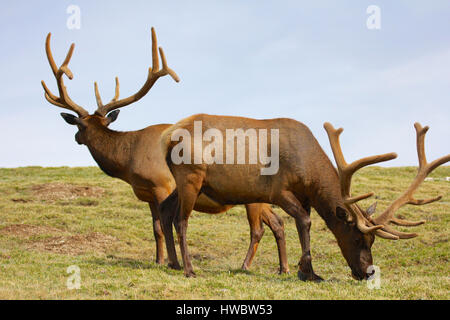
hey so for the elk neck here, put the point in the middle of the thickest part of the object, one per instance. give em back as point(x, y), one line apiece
point(111, 150)
point(327, 197)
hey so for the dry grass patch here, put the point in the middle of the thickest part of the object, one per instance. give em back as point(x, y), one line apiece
point(27, 231)
point(64, 191)
point(49, 239)
point(76, 244)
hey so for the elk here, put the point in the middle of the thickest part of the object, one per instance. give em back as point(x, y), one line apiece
point(136, 158)
point(306, 178)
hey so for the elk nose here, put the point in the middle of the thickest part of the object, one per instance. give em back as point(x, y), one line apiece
point(370, 274)
point(77, 138)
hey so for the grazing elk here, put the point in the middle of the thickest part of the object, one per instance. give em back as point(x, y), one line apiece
point(136, 158)
point(306, 178)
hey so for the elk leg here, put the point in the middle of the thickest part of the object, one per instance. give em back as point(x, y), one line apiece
point(256, 232)
point(275, 223)
point(169, 209)
point(289, 203)
point(188, 194)
point(158, 233)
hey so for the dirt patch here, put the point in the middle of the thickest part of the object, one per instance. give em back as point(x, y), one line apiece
point(60, 241)
point(21, 200)
point(26, 230)
point(76, 244)
point(64, 191)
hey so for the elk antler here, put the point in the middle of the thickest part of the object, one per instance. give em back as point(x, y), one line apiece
point(153, 75)
point(424, 170)
point(346, 172)
point(63, 100)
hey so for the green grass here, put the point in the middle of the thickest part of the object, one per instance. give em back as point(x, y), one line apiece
point(31, 267)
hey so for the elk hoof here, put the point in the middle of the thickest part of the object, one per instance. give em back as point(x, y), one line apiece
point(190, 274)
point(283, 271)
point(309, 277)
point(174, 266)
point(317, 278)
point(244, 267)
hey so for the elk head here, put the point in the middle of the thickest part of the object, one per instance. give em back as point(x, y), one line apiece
point(105, 114)
point(356, 234)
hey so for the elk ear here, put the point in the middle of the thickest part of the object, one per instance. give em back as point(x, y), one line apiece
point(341, 214)
point(112, 116)
point(371, 210)
point(71, 119)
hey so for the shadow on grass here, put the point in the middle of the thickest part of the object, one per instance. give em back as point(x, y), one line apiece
point(124, 262)
point(276, 277)
point(291, 277)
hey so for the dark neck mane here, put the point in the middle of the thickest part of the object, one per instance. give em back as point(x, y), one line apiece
point(111, 150)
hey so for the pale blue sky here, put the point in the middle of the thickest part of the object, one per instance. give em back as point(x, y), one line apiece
point(313, 61)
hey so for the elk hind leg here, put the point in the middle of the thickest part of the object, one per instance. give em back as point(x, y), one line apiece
point(276, 225)
point(256, 232)
point(169, 209)
point(188, 194)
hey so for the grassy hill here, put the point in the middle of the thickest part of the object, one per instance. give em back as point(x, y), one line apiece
point(52, 218)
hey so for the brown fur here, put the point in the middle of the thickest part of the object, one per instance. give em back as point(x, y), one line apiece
point(306, 178)
point(136, 158)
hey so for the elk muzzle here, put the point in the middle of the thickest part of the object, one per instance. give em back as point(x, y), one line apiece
point(78, 138)
point(360, 271)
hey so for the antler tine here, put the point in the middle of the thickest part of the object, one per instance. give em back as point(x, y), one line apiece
point(399, 234)
point(358, 198)
point(406, 223)
point(386, 235)
point(362, 222)
point(117, 91)
point(48, 51)
point(63, 100)
point(420, 135)
point(65, 66)
point(346, 172)
point(424, 170)
point(154, 73)
point(50, 97)
point(155, 59)
point(98, 97)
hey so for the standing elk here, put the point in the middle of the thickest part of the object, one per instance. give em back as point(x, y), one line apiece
point(306, 178)
point(136, 158)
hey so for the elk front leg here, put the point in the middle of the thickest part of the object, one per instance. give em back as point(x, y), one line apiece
point(158, 233)
point(276, 224)
point(289, 203)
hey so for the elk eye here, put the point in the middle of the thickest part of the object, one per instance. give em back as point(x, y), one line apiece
point(341, 213)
